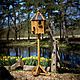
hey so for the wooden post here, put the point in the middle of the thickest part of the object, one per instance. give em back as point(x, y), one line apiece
point(38, 69)
point(38, 42)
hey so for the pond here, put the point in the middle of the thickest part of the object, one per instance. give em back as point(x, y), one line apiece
point(26, 51)
point(69, 59)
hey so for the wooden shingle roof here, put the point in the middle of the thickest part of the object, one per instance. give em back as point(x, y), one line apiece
point(38, 16)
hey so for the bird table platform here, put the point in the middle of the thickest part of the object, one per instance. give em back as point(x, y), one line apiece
point(38, 28)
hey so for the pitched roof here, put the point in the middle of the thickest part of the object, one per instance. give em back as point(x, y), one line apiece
point(37, 16)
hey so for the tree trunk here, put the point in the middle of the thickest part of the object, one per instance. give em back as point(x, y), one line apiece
point(15, 22)
point(60, 30)
point(16, 50)
point(15, 33)
point(19, 35)
point(43, 51)
point(28, 27)
point(29, 51)
point(64, 31)
point(8, 33)
point(8, 52)
point(53, 50)
point(28, 33)
point(53, 58)
point(72, 33)
point(8, 26)
point(19, 25)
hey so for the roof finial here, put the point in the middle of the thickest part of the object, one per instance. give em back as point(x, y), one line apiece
point(38, 10)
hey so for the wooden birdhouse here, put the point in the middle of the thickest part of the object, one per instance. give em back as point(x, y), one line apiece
point(38, 23)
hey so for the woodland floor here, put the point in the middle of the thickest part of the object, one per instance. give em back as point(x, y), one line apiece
point(27, 75)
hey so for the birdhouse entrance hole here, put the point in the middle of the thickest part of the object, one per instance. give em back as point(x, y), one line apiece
point(39, 22)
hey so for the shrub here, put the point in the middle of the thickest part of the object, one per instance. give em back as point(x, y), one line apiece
point(12, 61)
point(33, 61)
point(8, 61)
point(1, 62)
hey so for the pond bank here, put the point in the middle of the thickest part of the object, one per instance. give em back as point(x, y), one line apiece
point(29, 43)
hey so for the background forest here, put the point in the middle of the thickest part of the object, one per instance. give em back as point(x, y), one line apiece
point(15, 17)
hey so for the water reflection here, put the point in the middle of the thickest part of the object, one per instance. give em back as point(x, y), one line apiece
point(70, 60)
point(12, 52)
point(29, 51)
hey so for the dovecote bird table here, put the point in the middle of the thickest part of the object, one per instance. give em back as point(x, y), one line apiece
point(38, 28)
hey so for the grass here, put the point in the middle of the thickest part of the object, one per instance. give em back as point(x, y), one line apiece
point(22, 43)
point(27, 43)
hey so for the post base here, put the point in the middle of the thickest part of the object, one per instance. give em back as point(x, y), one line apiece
point(38, 70)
